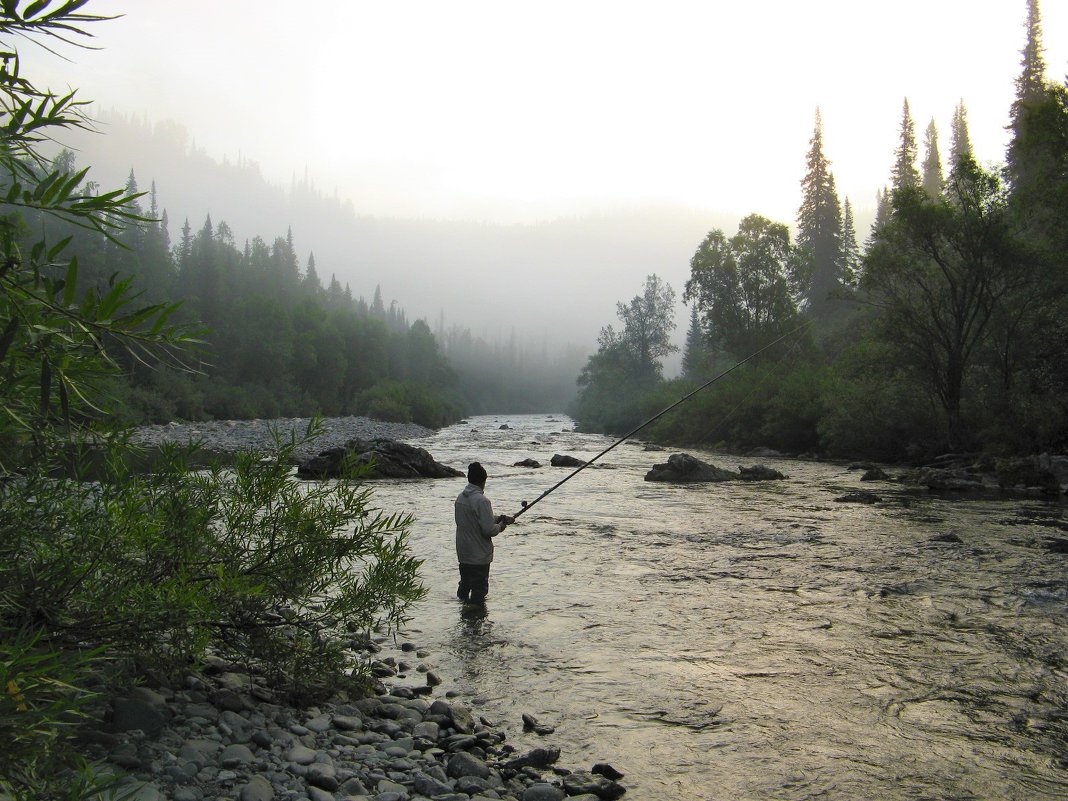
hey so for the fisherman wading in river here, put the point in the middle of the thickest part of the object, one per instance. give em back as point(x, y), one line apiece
point(475, 529)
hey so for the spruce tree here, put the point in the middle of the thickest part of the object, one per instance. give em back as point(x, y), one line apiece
point(1033, 153)
point(933, 180)
point(311, 277)
point(819, 228)
point(960, 144)
point(850, 249)
point(905, 175)
point(695, 353)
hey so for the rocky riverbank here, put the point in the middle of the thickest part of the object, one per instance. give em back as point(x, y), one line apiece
point(222, 736)
point(229, 436)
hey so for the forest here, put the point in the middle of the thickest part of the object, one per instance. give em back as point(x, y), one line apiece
point(943, 331)
point(279, 341)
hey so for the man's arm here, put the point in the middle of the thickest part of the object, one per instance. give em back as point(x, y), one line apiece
point(486, 522)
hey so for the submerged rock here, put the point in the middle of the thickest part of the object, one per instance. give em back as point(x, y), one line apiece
point(681, 468)
point(859, 497)
point(389, 459)
point(874, 474)
point(527, 463)
point(759, 472)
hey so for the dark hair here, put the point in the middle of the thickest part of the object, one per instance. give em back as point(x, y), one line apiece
point(476, 473)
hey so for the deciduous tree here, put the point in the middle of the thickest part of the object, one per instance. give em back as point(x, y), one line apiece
point(939, 271)
point(741, 285)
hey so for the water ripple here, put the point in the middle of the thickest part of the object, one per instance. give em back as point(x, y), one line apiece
point(755, 641)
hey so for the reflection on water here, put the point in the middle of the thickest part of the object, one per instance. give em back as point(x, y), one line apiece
point(745, 641)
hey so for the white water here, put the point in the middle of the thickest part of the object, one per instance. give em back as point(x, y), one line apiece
point(752, 640)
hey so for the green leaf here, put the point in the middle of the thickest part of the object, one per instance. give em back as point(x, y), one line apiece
point(70, 282)
point(36, 8)
point(56, 249)
point(46, 385)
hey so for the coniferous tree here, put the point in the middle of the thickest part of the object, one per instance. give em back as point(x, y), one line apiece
point(695, 353)
point(819, 229)
point(905, 175)
point(960, 145)
point(850, 249)
point(933, 179)
point(378, 308)
point(184, 251)
point(882, 212)
point(311, 277)
point(1025, 159)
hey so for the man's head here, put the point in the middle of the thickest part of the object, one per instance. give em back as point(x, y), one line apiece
point(476, 474)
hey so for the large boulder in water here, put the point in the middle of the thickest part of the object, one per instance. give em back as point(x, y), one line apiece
point(562, 460)
point(390, 459)
point(681, 468)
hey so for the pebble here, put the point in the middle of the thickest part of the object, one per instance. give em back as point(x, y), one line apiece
point(396, 745)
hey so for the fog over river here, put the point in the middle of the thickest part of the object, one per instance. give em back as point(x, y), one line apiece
point(752, 640)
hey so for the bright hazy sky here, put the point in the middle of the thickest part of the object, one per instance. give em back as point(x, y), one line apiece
point(511, 110)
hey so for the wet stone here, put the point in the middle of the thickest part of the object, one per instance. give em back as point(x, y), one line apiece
point(426, 730)
point(428, 785)
point(257, 789)
point(580, 782)
point(319, 724)
point(348, 722)
point(323, 776)
point(234, 755)
point(465, 764)
point(543, 792)
point(301, 754)
point(389, 786)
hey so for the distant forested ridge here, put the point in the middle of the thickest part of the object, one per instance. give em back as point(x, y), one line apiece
point(277, 340)
point(945, 330)
point(281, 340)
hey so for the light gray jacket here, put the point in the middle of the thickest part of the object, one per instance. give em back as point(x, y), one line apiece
point(475, 528)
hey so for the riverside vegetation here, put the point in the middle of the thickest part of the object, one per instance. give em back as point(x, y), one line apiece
point(104, 584)
point(945, 332)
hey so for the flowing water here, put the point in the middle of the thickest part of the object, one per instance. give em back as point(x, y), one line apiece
point(752, 640)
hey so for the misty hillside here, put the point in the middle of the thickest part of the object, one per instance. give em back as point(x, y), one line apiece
point(552, 283)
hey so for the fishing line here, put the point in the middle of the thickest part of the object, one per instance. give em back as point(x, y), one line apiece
point(656, 417)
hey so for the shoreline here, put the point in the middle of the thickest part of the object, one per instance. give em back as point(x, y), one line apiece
point(220, 732)
point(960, 475)
point(229, 436)
point(223, 735)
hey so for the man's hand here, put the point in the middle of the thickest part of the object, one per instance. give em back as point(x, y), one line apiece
point(504, 520)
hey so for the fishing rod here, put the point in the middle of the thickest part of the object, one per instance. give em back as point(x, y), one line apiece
point(654, 418)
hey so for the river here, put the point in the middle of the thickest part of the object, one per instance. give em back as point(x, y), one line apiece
point(752, 640)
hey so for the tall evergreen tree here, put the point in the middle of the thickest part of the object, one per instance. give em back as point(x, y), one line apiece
point(819, 228)
point(933, 179)
point(311, 277)
point(960, 144)
point(1024, 153)
point(695, 353)
point(378, 308)
point(184, 250)
point(905, 175)
point(850, 249)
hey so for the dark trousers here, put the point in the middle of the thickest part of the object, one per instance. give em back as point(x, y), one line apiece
point(474, 583)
